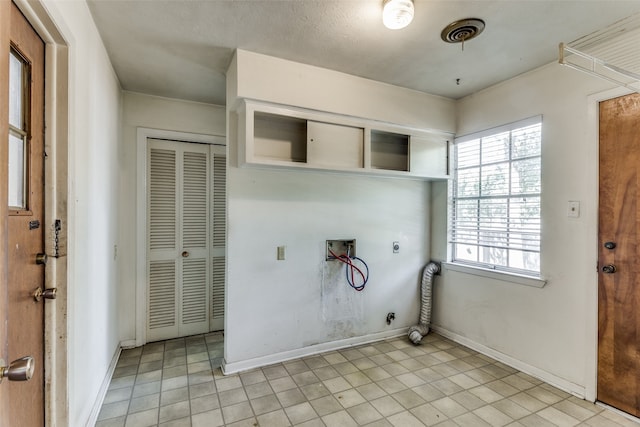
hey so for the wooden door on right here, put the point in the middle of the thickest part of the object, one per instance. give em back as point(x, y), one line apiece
point(619, 254)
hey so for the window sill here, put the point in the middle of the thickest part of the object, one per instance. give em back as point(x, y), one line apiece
point(495, 274)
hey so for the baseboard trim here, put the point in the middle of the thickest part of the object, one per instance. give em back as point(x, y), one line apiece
point(549, 378)
point(95, 411)
point(245, 365)
point(128, 344)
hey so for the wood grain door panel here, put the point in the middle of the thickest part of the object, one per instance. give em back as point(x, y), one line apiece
point(619, 220)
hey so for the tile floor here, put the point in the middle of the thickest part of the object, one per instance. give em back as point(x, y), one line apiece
point(388, 383)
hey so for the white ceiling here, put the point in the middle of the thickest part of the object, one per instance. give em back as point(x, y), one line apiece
point(181, 48)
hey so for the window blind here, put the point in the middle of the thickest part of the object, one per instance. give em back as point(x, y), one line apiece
point(496, 198)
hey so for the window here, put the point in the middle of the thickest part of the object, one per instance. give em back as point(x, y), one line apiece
point(496, 198)
point(18, 131)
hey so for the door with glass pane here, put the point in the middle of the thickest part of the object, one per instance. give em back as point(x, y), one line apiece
point(184, 267)
point(25, 239)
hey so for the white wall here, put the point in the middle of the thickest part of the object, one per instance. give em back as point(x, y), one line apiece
point(156, 113)
point(279, 309)
point(551, 330)
point(92, 222)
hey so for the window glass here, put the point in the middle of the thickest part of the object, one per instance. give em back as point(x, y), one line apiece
point(18, 103)
point(496, 198)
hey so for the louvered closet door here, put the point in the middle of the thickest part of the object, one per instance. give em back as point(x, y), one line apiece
point(219, 236)
point(179, 248)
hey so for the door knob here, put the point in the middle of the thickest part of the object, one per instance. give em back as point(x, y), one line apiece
point(185, 254)
point(49, 293)
point(610, 245)
point(609, 269)
point(18, 370)
point(41, 259)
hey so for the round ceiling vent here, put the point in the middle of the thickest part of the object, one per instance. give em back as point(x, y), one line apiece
point(463, 30)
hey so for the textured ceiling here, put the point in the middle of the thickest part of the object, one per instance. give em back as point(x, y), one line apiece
point(181, 49)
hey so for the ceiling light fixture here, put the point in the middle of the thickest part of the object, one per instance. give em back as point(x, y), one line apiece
point(397, 14)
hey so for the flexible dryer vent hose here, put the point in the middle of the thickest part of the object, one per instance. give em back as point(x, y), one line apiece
point(420, 330)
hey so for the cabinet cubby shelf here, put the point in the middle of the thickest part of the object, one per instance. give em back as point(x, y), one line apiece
point(271, 135)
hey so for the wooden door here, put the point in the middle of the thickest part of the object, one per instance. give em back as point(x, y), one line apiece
point(619, 255)
point(5, 19)
point(24, 142)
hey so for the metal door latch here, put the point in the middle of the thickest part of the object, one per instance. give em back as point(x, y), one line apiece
point(49, 293)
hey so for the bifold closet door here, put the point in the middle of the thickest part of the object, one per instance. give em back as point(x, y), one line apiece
point(218, 267)
point(179, 261)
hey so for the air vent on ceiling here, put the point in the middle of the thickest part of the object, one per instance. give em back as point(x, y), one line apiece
point(463, 30)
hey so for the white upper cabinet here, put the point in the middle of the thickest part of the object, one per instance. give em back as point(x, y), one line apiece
point(275, 135)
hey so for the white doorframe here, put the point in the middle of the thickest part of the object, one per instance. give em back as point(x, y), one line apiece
point(143, 134)
point(593, 133)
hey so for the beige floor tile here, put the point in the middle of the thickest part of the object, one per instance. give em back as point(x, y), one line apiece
point(274, 419)
point(237, 412)
point(144, 403)
point(404, 419)
point(142, 419)
point(528, 402)
point(428, 414)
point(339, 419)
point(300, 413)
point(316, 422)
point(512, 409)
point(174, 411)
point(364, 413)
point(173, 396)
point(387, 406)
point(315, 391)
point(258, 390)
point(345, 368)
point(349, 398)
point(252, 377)
point(231, 397)
point(326, 405)
point(371, 391)
point(449, 407)
point(305, 378)
point(204, 403)
point(572, 409)
point(291, 397)
point(207, 419)
point(470, 420)
point(557, 417)
point(468, 400)
point(336, 385)
point(408, 399)
point(263, 405)
point(493, 416)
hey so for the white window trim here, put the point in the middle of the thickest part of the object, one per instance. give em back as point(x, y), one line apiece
point(532, 279)
point(505, 276)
